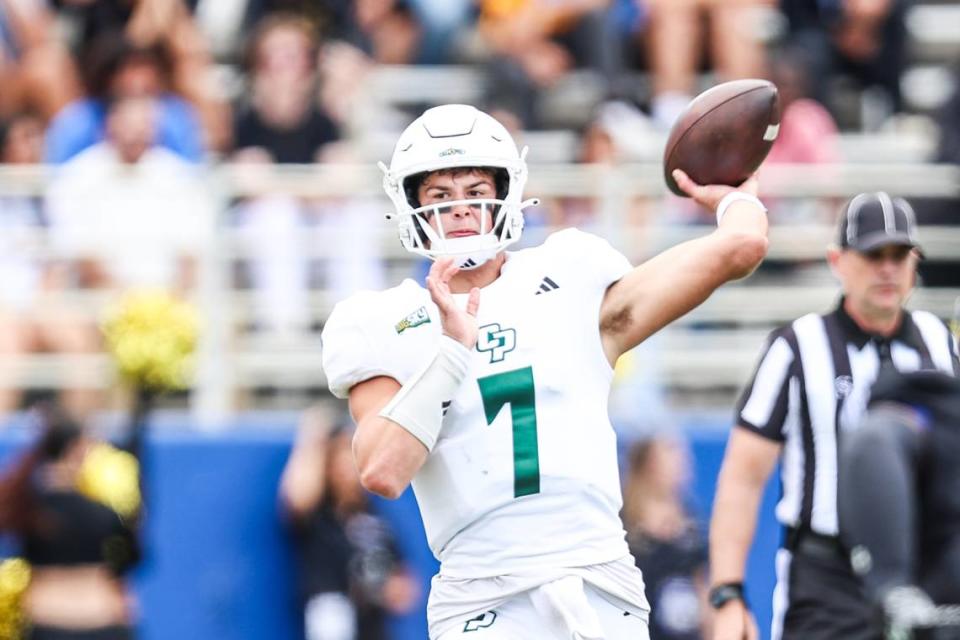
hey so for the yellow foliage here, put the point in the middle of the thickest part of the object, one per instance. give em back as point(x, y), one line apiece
point(14, 578)
point(152, 336)
point(111, 477)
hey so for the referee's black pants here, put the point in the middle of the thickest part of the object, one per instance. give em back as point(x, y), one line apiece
point(825, 600)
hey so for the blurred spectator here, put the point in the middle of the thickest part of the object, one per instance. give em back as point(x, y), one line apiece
point(808, 135)
point(283, 121)
point(344, 70)
point(21, 217)
point(387, 31)
point(36, 70)
point(350, 229)
point(441, 21)
point(669, 547)
point(166, 25)
point(638, 399)
point(943, 211)
point(949, 121)
point(73, 504)
point(610, 138)
point(279, 234)
point(676, 33)
point(534, 43)
point(863, 40)
point(351, 573)
point(596, 147)
point(275, 263)
point(131, 213)
point(407, 31)
point(116, 69)
point(33, 316)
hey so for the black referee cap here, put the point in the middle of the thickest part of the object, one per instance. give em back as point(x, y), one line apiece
point(873, 220)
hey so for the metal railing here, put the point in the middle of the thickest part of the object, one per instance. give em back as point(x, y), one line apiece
point(713, 347)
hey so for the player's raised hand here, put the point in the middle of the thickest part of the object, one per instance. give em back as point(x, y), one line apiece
point(710, 195)
point(459, 324)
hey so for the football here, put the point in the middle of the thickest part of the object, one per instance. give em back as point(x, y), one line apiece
point(724, 134)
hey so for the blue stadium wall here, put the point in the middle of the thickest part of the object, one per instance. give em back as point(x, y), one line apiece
point(219, 561)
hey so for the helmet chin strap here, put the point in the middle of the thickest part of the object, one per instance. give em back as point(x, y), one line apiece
point(470, 252)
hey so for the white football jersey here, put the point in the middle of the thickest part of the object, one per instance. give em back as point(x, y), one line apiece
point(524, 473)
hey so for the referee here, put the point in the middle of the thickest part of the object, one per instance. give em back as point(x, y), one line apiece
point(810, 387)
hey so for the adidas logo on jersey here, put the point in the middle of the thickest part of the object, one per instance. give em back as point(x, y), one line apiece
point(547, 285)
point(469, 263)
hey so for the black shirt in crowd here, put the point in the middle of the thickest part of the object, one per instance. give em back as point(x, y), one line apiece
point(352, 555)
point(671, 569)
point(297, 145)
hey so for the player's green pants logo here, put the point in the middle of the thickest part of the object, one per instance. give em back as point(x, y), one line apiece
point(482, 621)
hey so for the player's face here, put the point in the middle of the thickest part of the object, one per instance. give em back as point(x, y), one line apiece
point(878, 281)
point(462, 220)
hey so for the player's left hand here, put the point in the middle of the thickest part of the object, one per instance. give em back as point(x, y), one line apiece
point(459, 324)
point(710, 195)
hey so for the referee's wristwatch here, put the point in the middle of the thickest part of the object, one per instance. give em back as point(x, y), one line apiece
point(721, 594)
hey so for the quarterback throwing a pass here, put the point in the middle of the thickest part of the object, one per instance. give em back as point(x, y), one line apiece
point(488, 388)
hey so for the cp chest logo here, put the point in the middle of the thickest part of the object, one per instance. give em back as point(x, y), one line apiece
point(499, 342)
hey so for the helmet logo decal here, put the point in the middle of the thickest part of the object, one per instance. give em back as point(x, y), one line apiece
point(499, 342)
point(452, 151)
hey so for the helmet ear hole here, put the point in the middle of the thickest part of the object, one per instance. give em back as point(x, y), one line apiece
point(501, 180)
point(411, 187)
point(421, 234)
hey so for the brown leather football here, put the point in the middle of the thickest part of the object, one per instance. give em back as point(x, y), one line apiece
point(724, 134)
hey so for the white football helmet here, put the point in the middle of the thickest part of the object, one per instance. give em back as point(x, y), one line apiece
point(446, 137)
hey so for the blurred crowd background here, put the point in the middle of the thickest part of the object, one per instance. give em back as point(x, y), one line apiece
point(223, 152)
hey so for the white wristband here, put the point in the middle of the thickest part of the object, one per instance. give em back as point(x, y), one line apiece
point(418, 405)
point(735, 196)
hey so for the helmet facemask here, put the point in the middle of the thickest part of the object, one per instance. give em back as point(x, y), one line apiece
point(426, 230)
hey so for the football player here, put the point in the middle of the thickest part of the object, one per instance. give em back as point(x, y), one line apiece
point(487, 388)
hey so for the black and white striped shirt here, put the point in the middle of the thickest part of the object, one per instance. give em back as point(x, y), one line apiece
point(813, 383)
